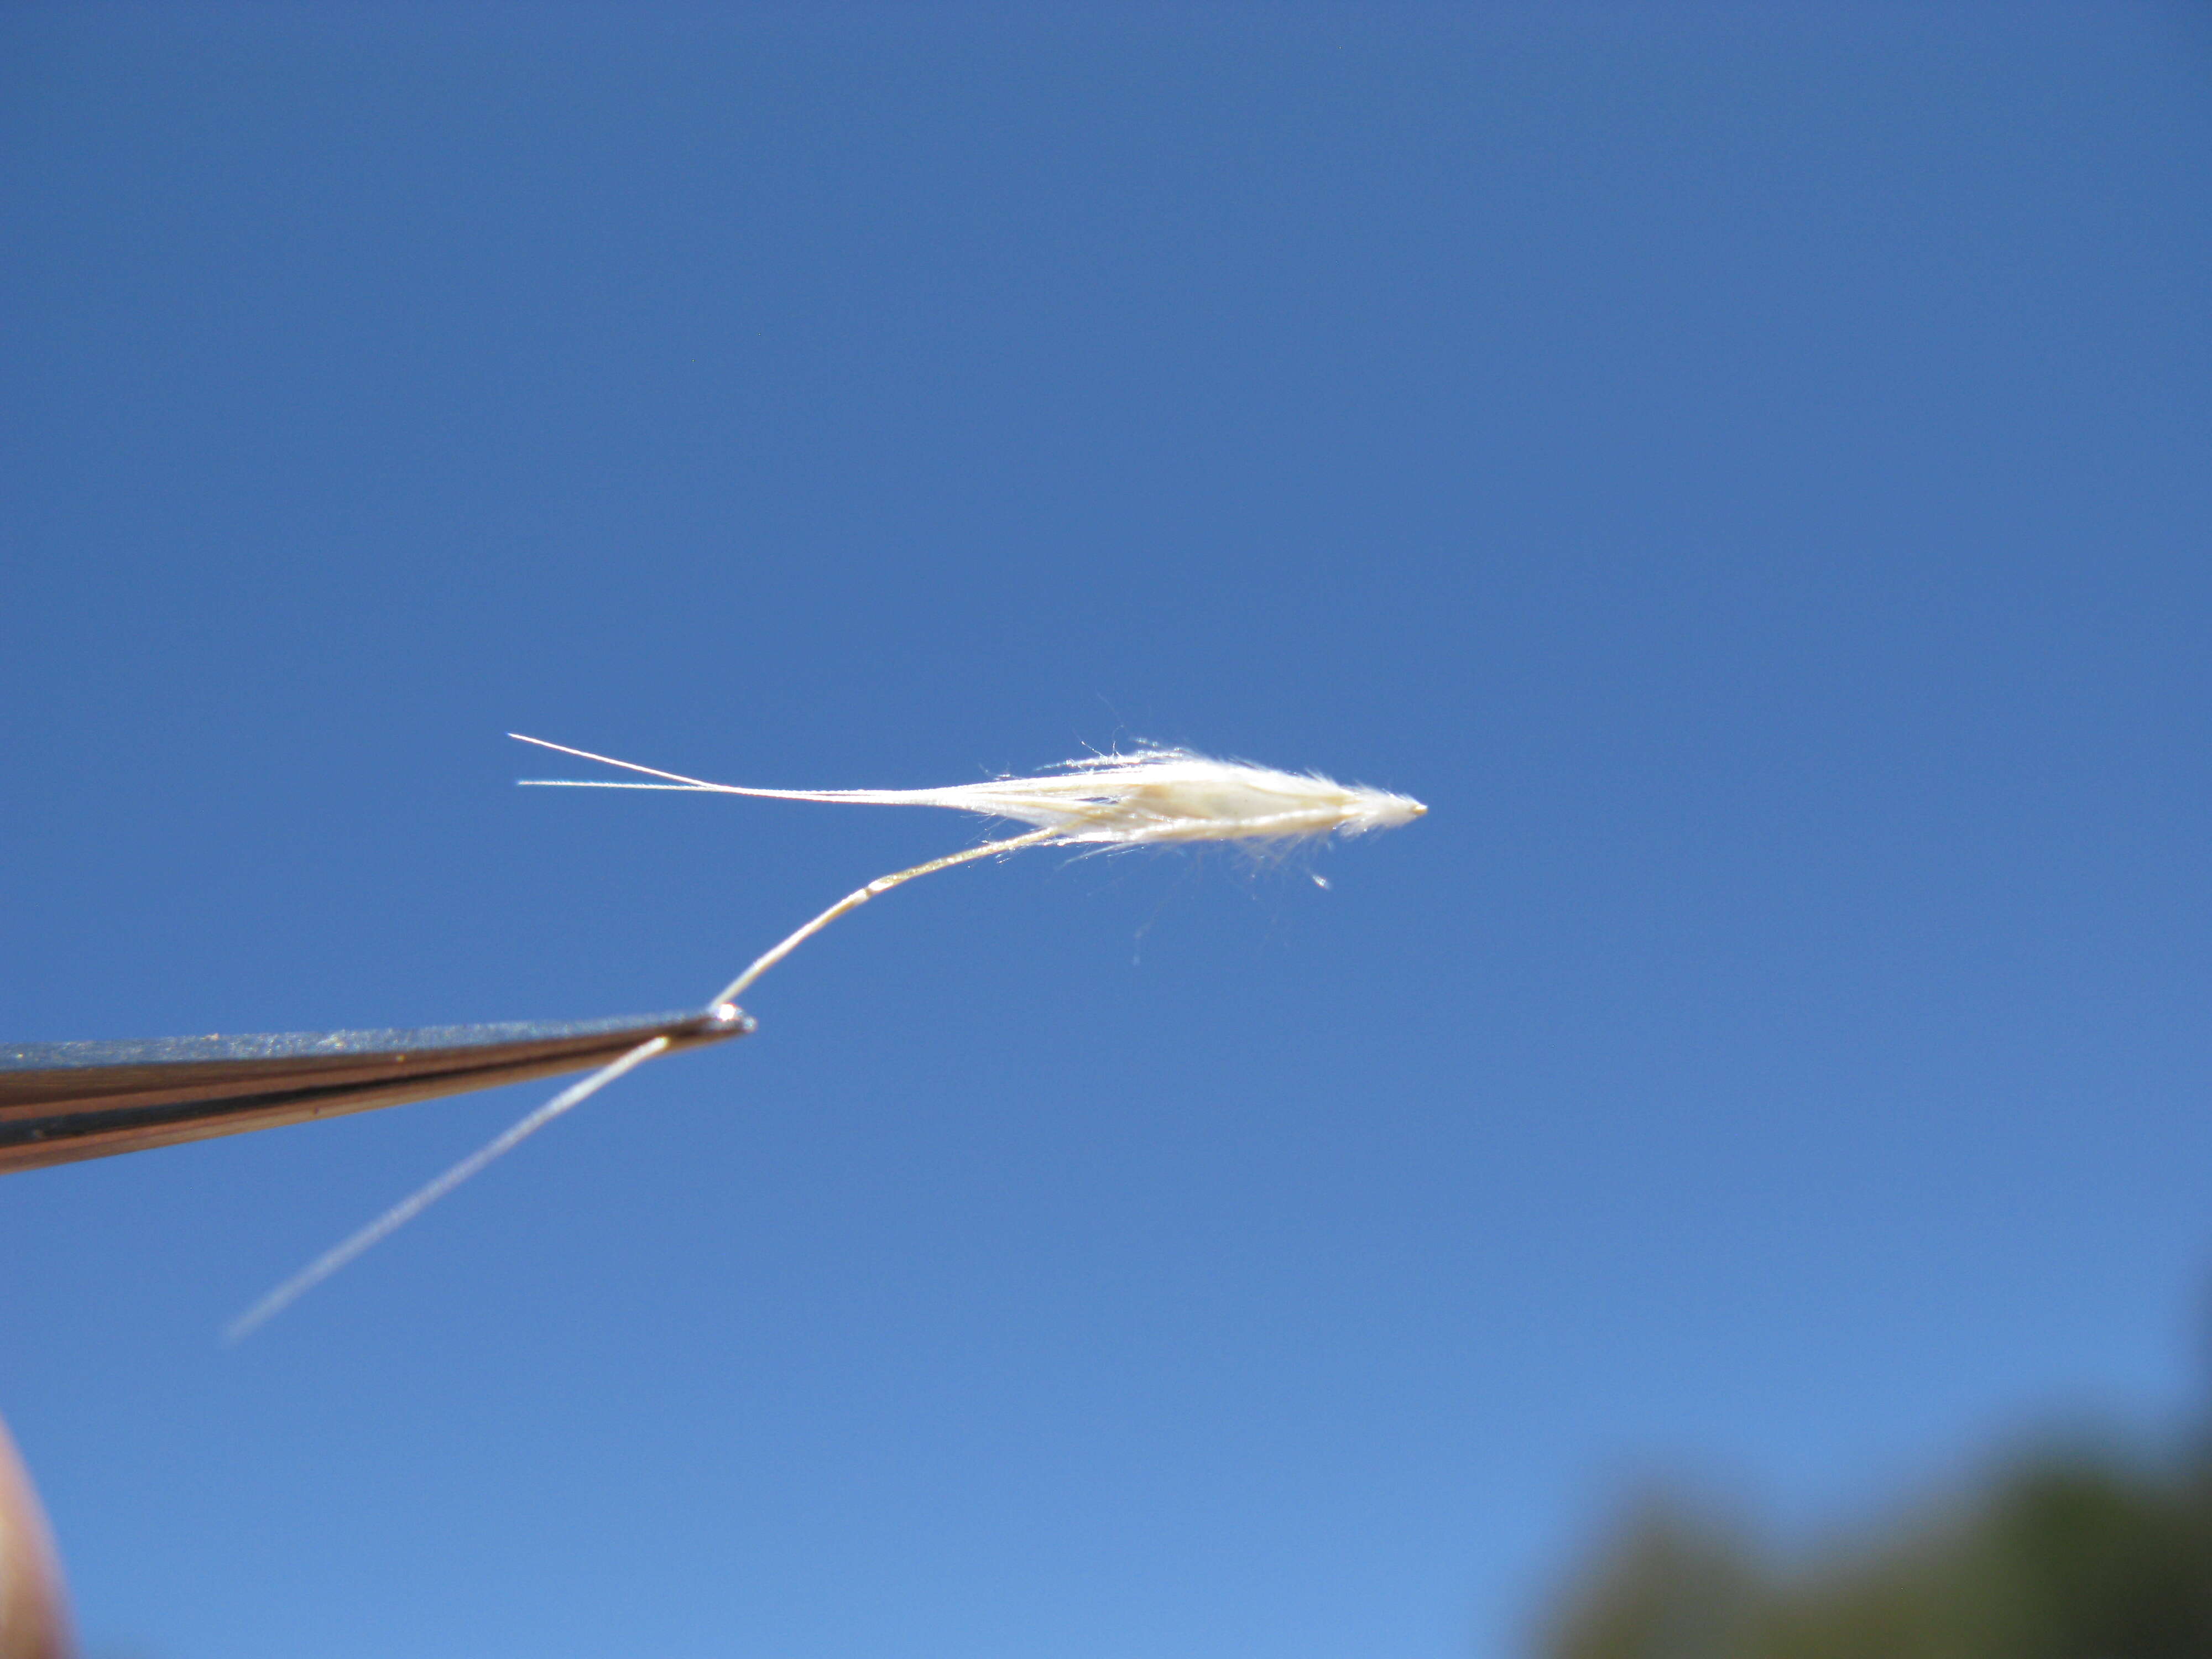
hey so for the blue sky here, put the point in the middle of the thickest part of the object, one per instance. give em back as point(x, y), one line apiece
point(1746, 468)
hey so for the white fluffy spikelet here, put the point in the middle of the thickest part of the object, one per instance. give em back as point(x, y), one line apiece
point(1155, 795)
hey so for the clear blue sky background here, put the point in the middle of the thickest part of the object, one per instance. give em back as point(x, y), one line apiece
point(1747, 470)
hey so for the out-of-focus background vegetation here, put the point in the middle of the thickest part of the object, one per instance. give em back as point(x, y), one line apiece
point(2079, 1544)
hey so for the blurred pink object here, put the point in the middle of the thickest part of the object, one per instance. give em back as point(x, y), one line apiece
point(33, 1608)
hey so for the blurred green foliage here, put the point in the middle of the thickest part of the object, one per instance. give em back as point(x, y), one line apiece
point(2058, 1555)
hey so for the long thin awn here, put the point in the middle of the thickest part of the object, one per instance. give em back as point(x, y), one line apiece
point(1149, 798)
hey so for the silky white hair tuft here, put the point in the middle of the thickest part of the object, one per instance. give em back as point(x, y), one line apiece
point(1150, 797)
